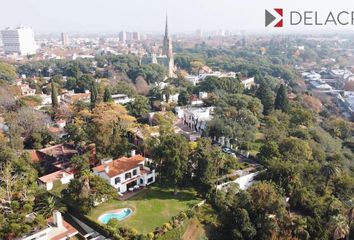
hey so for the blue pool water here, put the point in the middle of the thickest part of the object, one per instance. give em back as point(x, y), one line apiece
point(121, 215)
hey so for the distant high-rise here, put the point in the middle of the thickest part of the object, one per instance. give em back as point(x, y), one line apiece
point(19, 41)
point(64, 39)
point(167, 50)
point(136, 36)
point(122, 36)
point(199, 33)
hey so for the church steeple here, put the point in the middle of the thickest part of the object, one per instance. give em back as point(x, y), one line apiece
point(166, 27)
point(167, 50)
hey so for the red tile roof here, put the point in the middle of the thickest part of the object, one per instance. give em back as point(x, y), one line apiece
point(55, 176)
point(70, 230)
point(120, 165)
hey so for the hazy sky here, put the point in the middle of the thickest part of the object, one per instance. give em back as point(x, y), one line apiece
point(108, 16)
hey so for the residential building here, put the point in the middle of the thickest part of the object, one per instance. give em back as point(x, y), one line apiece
point(195, 118)
point(126, 173)
point(27, 91)
point(248, 82)
point(64, 39)
point(121, 98)
point(136, 36)
point(60, 176)
point(19, 41)
point(122, 36)
point(71, 97)
point(56, 229)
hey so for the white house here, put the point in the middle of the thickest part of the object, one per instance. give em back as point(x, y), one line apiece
point(195, 118)
point(27, 91)
point(62, 176)
point(126, 173)
point(56, 229)
point(248, 82)
point(121, 99)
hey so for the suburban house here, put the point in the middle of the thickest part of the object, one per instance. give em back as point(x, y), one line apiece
point(248, 82)
point(126, 173)
point(195, 118)
point(57, 229)
point(71, 97)
point(121, 99)
point(27, 91)
point(62, 176)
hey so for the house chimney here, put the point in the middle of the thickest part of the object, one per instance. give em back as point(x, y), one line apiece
point(106, 168)
point(57, 219)
point(132, 153)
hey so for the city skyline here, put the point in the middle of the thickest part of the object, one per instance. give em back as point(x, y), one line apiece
point(184, 16)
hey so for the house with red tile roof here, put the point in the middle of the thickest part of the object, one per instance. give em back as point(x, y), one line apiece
point(62, 176)
point(126, 173)
point(56, 229)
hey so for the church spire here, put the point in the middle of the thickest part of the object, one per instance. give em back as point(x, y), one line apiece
point(166, 27)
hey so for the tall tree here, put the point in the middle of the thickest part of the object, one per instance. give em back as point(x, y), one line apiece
point(139, 107)
point(281, 100)
point(265, 94)
point(55, 103)
point(107, 96)
point(94, 94)
point(173, 152)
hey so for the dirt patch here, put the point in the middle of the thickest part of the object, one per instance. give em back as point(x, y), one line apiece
point(194, 231)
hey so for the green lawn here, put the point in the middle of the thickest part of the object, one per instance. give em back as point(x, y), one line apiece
point(152, 208)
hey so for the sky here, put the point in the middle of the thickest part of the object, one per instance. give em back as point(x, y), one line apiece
point(110, 16)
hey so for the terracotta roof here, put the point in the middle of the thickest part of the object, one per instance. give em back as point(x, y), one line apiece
point(70, 230)
point(35, 156)
point(60, 150)
point(120, 165)
point(55, 130)
point(55, 176)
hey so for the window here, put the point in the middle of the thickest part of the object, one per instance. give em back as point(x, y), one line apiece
point(128, 175)
point(150, 180)
point(141, 181)
point(135, 172)
point(117, 180)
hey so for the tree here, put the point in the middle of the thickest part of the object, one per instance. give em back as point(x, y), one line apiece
point(46, 204)
point(208, 162)
point(265, 94)
point(183, 98)
point(340, 227)
point(93, 94)
point(139, 107)
point(7, 72)
point(17, 190)
point(84, 191)
point(55, 103)
point(329, 171)
point(110, 123)
point(171, 156)
point(142, 87)
point(107, 96)
point(268, 151)
point(281, 100)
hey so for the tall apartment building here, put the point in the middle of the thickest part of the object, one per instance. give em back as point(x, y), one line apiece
point(19, 41)
point(122, 36)
point(64, 39)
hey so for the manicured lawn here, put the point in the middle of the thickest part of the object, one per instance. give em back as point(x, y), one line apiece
point(152, 208)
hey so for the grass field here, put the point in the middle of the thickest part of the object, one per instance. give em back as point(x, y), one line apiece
point(152, 208)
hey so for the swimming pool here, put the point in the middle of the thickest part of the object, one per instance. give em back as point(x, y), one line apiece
point(119, 215)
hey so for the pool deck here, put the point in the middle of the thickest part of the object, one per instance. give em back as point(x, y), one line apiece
point(128, 195)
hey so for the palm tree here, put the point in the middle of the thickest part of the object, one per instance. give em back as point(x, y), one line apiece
point(350, 216)
point(329, 171)
point(340, 227)
point(47, 205)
